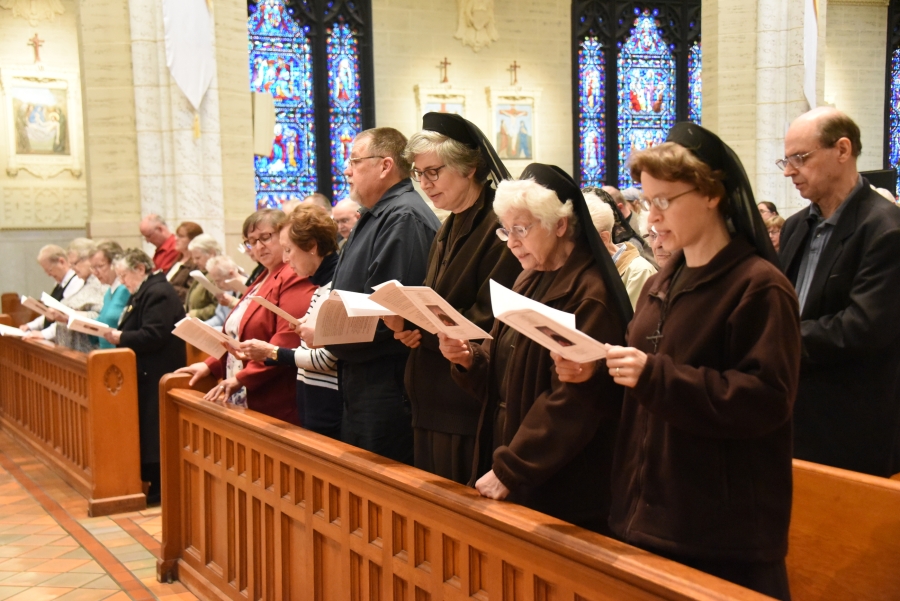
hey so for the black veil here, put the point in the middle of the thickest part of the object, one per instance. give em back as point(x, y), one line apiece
point(464, 131)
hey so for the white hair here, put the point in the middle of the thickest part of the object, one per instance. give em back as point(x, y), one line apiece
point(52, 252)
point(601, 213)
point(205, 243)
point(221, 266)
point(541, 202)
point(82, 248)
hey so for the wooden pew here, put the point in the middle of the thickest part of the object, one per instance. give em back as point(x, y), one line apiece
point(256, 508)
point(845, 535)
point(12, 306)
point(79, 414)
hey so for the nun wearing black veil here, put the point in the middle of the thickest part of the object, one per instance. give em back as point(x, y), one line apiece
point(457, 169)
point(545, 442)
point(702, 469)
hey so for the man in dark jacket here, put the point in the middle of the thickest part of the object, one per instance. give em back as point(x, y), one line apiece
point(390, 242)
point(841, 255)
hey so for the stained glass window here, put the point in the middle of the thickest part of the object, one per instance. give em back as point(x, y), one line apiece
point(343, 101)
point(646, 90)
point(695, 62)
point(591, 112)
point(281, 64)
point(894, 139)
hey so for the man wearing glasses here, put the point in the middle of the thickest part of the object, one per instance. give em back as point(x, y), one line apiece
point(390, 241)
point(841, 253)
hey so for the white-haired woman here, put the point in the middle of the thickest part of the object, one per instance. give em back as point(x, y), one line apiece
point(544, 442)
point(87, 301)
point(146, 328)
point(220, 270)
point(200, 302)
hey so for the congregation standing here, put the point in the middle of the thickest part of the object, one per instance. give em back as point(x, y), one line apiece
point(736, 339)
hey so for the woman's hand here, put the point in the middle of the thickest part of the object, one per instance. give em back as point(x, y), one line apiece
point(489, 486)
point(198, 371)
point(411, 338)
point(113, 337)
point(455, 351)
point(307, 331)
point(572, 372)
point(225, 299)
point(57, 316)
point(223, 391)
point(256, 350)
point(625, 364)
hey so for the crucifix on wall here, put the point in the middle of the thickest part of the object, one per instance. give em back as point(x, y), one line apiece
point(36, 44)
point(514, 73)
point(443, 67)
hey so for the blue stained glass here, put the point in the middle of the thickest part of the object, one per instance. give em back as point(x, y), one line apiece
point(281, 64)
point(895, 113)
point(343, 101)
point(591, 112)
point(646, 90)
point(695, 98)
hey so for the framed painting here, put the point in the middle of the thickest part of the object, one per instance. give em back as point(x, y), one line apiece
point(440, 100)
point(514, 122)
point(43, 122)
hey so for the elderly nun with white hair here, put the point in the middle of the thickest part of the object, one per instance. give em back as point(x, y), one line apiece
point(545, 442)
point(200, 302)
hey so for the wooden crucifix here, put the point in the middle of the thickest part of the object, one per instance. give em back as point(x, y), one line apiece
point(36, 43)
point(514, 73)
point(443, 66)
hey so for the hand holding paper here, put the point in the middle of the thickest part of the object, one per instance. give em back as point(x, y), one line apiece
point(10, 331)
point(204, 281)
point(427, 309)
point(209, 340)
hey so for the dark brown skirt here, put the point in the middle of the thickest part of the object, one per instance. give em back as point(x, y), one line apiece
point(447, 455)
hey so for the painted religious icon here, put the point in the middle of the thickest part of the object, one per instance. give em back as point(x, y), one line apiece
point(515, 131)
point(455, 108)
point(40, 117)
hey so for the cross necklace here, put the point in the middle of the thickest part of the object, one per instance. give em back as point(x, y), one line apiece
point(658, 335)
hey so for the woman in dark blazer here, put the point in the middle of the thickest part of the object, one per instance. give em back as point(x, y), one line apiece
point(146, 328)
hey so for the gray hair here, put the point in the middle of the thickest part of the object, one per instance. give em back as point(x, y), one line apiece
point(220, 266)
point(387, 142)
point(453, 154)
point(52, 252)
point(205, 243)
point(111, 250)
point(528, 195)
point(132, 258)
point(82, 248)
point(601, 213)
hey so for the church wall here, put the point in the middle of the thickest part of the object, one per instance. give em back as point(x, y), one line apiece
point(37, 210)
point(855, 70)
point(413, 36)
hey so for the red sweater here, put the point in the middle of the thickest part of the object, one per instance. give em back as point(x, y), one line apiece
point(166, 255)
point(271, 389)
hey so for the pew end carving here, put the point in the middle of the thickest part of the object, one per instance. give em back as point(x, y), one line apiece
point(78, 413)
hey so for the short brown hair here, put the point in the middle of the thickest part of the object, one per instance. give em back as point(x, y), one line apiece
point(388, 142)
point(834, 127)
point(311, 224)
point(673, 162)
point(775, 221)
point(191, 230)
point(274, 217)
point(111, 250)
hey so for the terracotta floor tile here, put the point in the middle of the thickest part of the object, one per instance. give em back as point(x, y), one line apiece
point(91, 567)
point(77, 553)
point(39, 539)
point(140, 564)
point(9, 551)
point(20, 564)
point(28, 578)
point(72, 580)
point(46, 552)
point(103, 582)
point(40, 593)
point(120, 596)
point(121, 541)
point(8, 591)
point(5, 575)
point(59, 565)
point(87, 594)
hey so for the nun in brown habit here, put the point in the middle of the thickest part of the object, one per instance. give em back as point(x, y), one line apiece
point(458, 169)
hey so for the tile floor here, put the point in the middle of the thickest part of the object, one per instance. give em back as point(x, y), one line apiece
point(51, 549)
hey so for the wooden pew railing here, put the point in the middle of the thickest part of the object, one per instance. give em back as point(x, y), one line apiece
point(258, 509)
point(11, 305)
point(79, 413)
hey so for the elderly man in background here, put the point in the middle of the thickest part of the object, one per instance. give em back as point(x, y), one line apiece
point(841, 255)
point(345, 215)
point(54, 260)
point(390, 242)
point(319, 199)
point(156, 232)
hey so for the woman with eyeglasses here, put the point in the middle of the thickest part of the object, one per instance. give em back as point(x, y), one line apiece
point(269, 389)
point(546, 441)
point(87, 301)
point(702, 471)
point(117, 296)
point(458, 169)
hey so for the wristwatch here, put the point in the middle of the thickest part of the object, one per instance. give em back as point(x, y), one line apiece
point(274, 354)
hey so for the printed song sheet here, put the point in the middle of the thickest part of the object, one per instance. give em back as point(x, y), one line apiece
point(6, 330)
point(207, 339)
point(204, 281)
point(334, 324)
point(236, 285)
point(35, 305)
point(427, 309)
point(52, 303)
point(276, 310)
point(551, 328)
point(92, 327)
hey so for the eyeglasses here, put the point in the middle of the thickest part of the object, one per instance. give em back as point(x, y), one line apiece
point(353, 161)
point(795, 160)
point(431, 174)
point(519, 231)
point(661, 203)
point(264, 238)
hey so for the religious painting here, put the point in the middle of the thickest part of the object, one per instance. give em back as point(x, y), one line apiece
point(439, 100)
point(514, 125)
point(44, 121)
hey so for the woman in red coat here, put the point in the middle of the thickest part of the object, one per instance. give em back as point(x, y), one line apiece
point(269, 389)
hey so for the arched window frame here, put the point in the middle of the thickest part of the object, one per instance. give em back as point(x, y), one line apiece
point(611, 21)
point(892, 92)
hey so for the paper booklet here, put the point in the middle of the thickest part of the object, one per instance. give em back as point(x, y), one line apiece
point(52, 303)
point(276, 310)
point(427, 309)
point(346, 317)
point(206, 338)
point(236, 285)
point(6, 330)
point(85, 325)
point(204, 281)
point(35, 305)
point(551, 328)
